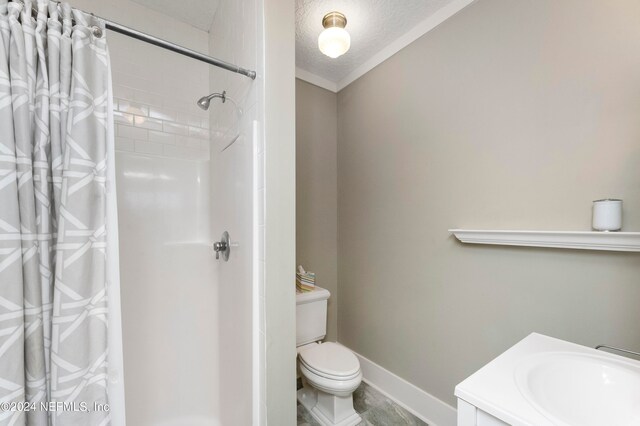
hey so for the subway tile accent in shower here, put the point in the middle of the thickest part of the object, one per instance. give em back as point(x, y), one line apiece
point(152, 130)
point(156, 115)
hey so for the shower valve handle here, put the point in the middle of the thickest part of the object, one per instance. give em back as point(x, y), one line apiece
point(223, 246)
point(218, 247)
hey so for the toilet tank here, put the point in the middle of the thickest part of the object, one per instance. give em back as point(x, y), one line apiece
point(311, 315)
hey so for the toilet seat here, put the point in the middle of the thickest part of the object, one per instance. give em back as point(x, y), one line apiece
point(329, 376)
point(331, 368)
point(331, 361)
point(341, 388)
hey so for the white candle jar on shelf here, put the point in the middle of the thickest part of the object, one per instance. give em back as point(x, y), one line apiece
point(607, 215)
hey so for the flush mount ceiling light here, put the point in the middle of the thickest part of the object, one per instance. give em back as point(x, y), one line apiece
point(334, 40)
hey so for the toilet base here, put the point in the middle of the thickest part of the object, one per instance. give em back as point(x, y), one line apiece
point(327, 409)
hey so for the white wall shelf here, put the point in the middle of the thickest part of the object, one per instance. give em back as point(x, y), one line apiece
point(610, 241)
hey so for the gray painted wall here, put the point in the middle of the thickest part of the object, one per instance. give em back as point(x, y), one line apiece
point(510, 115)
point(317, 191)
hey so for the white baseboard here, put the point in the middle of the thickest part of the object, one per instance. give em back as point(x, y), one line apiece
point(423, 405)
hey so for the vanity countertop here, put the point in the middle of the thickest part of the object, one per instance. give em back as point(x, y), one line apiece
point(495, 387)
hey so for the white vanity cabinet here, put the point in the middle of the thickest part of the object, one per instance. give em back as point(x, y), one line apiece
point(470, 415)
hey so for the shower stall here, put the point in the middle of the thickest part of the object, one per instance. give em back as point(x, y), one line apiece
point(144, 177)
point(190, 157)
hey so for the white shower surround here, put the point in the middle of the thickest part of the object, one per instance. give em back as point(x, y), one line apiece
point(167, 269)
point(248, 33)
point(237, 183)
point(198, 13)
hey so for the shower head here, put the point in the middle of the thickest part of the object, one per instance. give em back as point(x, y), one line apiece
point(205, 101)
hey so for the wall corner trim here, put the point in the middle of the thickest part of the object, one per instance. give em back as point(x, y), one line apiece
point(404, 40)
point(423, 405)
point(316, 80)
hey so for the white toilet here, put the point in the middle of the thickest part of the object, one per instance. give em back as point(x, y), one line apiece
point(330, 372)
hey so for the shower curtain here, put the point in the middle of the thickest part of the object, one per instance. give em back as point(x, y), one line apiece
point(60, 337)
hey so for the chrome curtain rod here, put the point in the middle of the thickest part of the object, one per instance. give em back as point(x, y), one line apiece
point(139, 35)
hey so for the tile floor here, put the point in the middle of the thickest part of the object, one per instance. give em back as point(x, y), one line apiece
point(374, 408)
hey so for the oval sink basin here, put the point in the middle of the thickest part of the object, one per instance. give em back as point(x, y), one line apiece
point(572, 389)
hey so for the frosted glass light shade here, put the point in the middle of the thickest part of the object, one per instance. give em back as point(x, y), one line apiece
point(334, 41)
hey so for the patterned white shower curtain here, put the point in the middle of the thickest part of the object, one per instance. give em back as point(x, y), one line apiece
point(59, 285)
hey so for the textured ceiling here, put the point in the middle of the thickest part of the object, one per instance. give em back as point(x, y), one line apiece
point(372, 24)
point(198, 13)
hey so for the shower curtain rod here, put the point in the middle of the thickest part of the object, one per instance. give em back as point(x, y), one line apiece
point(138, 35)
point(147, 38)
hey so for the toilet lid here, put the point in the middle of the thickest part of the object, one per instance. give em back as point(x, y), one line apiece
point(330, 359)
